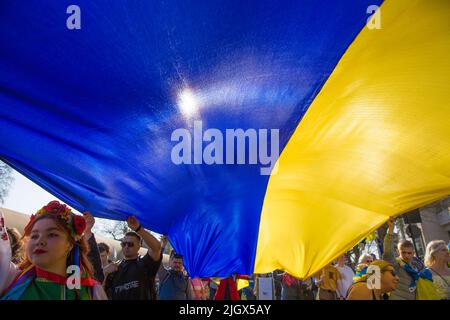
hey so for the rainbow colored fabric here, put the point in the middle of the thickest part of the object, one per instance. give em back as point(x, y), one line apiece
point(362, 113)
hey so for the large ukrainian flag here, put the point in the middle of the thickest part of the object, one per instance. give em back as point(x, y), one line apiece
point(363, 116)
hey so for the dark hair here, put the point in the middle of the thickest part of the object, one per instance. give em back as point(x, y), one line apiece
point(103, 247)
point(175, 255)
point(133, 234)
point(16, 245)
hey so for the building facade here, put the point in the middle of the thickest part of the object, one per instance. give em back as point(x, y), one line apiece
point(431, 222)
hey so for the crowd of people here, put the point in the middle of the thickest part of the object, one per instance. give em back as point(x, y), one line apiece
point(402, 275)
point(56, 238)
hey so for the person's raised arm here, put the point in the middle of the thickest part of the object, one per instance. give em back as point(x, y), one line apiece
point(388, 249)
point(93, 254)
point(162, 272)
point(149, 239)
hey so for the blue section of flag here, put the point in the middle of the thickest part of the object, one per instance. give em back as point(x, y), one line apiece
point(88, 114)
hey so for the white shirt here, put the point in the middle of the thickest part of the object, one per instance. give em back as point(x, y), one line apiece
point(345, 282)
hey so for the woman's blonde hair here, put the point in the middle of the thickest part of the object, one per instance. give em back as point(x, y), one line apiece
point(432, 247)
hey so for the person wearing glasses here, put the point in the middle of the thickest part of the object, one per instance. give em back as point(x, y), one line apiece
point(133, 278)
point(376, 285)
point(364, 261)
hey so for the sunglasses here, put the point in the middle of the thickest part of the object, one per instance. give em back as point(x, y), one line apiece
point(127, 244)
point(394, 274)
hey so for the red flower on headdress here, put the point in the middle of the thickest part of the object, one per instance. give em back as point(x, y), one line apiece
point(5, 236)
point(79, 224)
point(55, 207)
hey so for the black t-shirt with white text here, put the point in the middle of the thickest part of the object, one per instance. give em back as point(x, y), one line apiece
point(134, 280)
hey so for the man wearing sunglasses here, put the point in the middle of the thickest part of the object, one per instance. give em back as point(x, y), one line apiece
point(134, 277)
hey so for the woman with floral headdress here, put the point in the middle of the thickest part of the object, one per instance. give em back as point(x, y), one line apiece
point(55, 264)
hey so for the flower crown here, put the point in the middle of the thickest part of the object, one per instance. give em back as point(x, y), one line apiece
point(75, 223)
